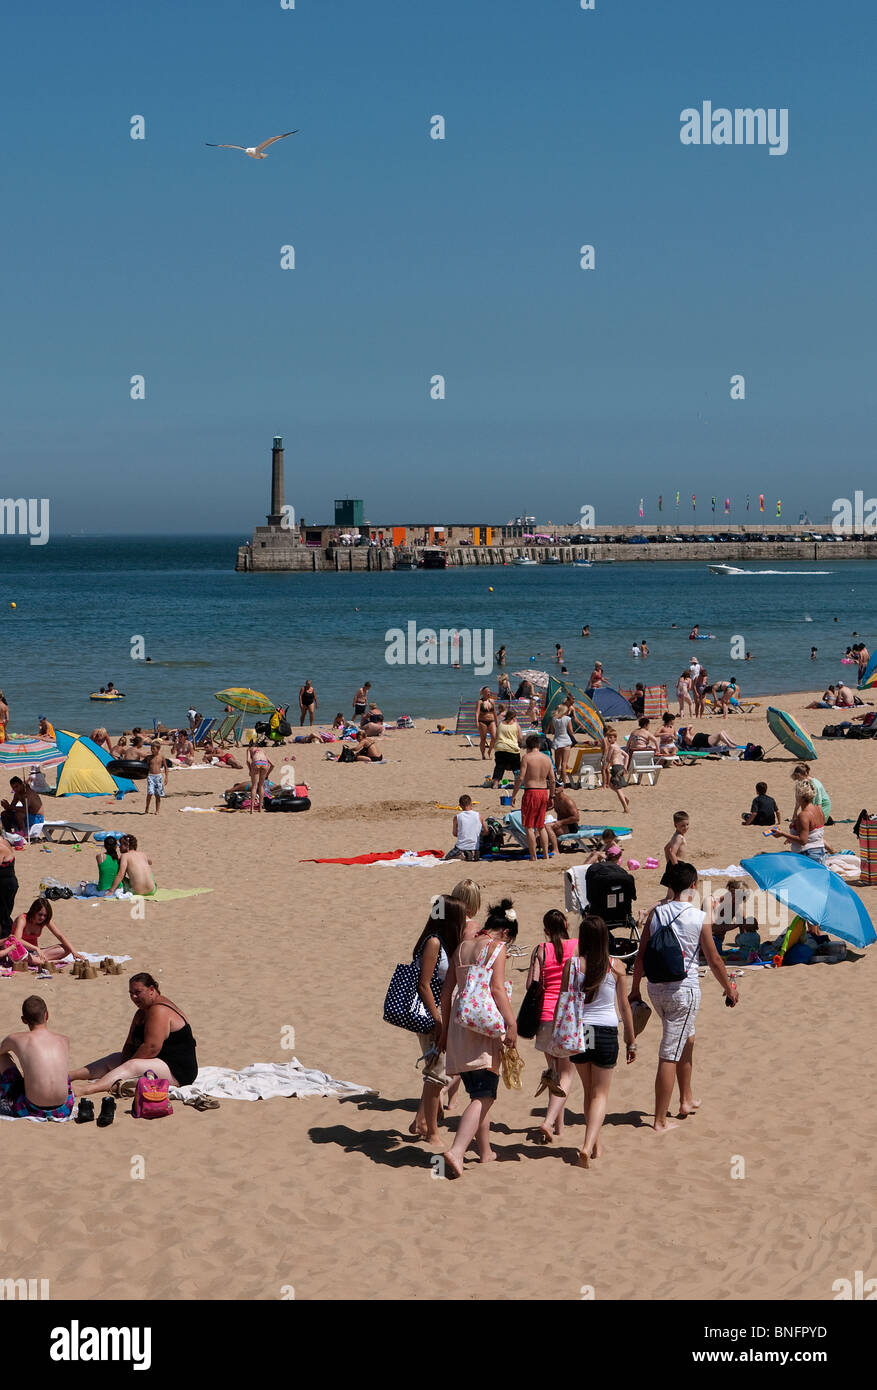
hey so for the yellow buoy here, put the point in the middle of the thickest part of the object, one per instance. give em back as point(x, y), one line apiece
point(489, 590)
point(12, 605)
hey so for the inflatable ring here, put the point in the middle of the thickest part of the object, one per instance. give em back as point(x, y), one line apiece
point(127, 767)
point(288, 803)
point(115, 695)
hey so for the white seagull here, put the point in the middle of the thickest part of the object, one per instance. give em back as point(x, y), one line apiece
point(254, 151)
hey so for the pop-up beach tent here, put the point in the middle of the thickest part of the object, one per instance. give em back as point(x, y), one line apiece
point(586, 718)
point(84, 770)
point(610, 703)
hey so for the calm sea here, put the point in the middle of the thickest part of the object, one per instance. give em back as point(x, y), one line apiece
point(82, 603)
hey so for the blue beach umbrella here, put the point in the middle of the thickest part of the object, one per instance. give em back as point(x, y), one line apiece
point(789, 733)
point(814, 893)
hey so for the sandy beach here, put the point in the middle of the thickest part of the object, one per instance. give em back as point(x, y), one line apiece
point(330, 1197)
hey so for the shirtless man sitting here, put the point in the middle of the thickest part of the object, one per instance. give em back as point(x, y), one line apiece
point(134, 867)
point(42, 1087)
point(25, 808)
point(567, 822)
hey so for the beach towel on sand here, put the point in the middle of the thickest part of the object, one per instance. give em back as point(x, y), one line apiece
point(376, 858)
point(264, 1080)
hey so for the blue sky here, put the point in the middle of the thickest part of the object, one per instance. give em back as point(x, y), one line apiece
point(416, 257)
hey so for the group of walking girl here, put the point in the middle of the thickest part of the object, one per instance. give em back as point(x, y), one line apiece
point(451, 945)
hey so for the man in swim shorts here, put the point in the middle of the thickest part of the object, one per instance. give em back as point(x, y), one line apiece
point(41, 1089)
point(24, 810)
point(537, 778)
point(157, 770)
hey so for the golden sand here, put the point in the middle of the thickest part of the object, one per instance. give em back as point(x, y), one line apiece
point(329, 1196)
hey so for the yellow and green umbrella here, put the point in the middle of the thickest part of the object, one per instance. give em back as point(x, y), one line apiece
point(249, 701)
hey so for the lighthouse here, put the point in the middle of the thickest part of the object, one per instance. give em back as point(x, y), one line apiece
point(275, 517)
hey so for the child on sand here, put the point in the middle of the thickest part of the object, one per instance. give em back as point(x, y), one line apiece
point(475, 1056)
point(614, 767)
point(674, 850)
point(157, 774)
point(468, 825)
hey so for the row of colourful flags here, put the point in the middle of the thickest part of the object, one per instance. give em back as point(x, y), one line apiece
point(727, 503)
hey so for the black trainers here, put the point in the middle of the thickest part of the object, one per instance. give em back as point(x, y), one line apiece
point(107, 1112)
point(85, 1111)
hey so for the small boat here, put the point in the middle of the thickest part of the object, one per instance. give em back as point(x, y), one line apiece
point(552, 560)
point(725, 569)
point(113, 695)
point(582, 564)
point(524, 560)
point(406, 560)
point(434, 559)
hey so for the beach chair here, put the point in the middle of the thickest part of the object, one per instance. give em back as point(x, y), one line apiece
point(466, 723)
point(655, 704)
point(67, 832)
point(227, 731)
point(643, 765)
point(203, 729)
point(586, 760)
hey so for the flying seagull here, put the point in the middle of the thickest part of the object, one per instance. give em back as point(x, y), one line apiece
point(254, 151)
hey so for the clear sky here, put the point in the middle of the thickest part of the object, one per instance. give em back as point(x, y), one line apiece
point(416, 256)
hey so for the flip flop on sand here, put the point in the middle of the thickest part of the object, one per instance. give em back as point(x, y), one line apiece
point(203, 1103)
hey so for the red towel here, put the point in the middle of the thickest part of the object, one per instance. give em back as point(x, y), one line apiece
point(374, 858)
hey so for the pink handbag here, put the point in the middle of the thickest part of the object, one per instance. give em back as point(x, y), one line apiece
point(475, 1007)
point(151, 1099)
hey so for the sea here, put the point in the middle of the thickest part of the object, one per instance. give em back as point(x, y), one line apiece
point(81, 611)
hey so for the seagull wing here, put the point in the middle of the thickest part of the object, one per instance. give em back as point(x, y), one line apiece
point(266, 143)
point(225, 147)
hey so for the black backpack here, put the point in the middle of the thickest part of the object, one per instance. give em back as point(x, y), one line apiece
point(833, 731)
point(663, 960)
point(753, 753)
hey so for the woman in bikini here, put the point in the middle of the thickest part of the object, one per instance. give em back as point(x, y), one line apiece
point(259, 768)
point(485, 718)
point(28, 928)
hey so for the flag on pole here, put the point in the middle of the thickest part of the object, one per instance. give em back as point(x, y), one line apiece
point(693, 503)
point(640, 508)
point(660, 502)
point(761, 501)
point(677, 497)
point(714, 504)
point(727, 505)
point(747, 501)
point(779, 506)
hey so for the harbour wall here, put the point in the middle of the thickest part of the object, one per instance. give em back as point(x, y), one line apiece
point(279, 554)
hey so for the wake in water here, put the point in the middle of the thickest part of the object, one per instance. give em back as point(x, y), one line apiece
point(730, 569)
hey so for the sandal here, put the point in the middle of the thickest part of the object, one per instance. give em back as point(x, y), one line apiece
point(204, 1103)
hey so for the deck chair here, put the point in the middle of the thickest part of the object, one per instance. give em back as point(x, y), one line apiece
point(643, 766)
point(655, 704)
point(203, 729)
point(466, 718)
point(586, 759)
point(227, 731)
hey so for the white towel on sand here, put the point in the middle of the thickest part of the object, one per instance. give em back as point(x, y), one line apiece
point(263, 1080)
